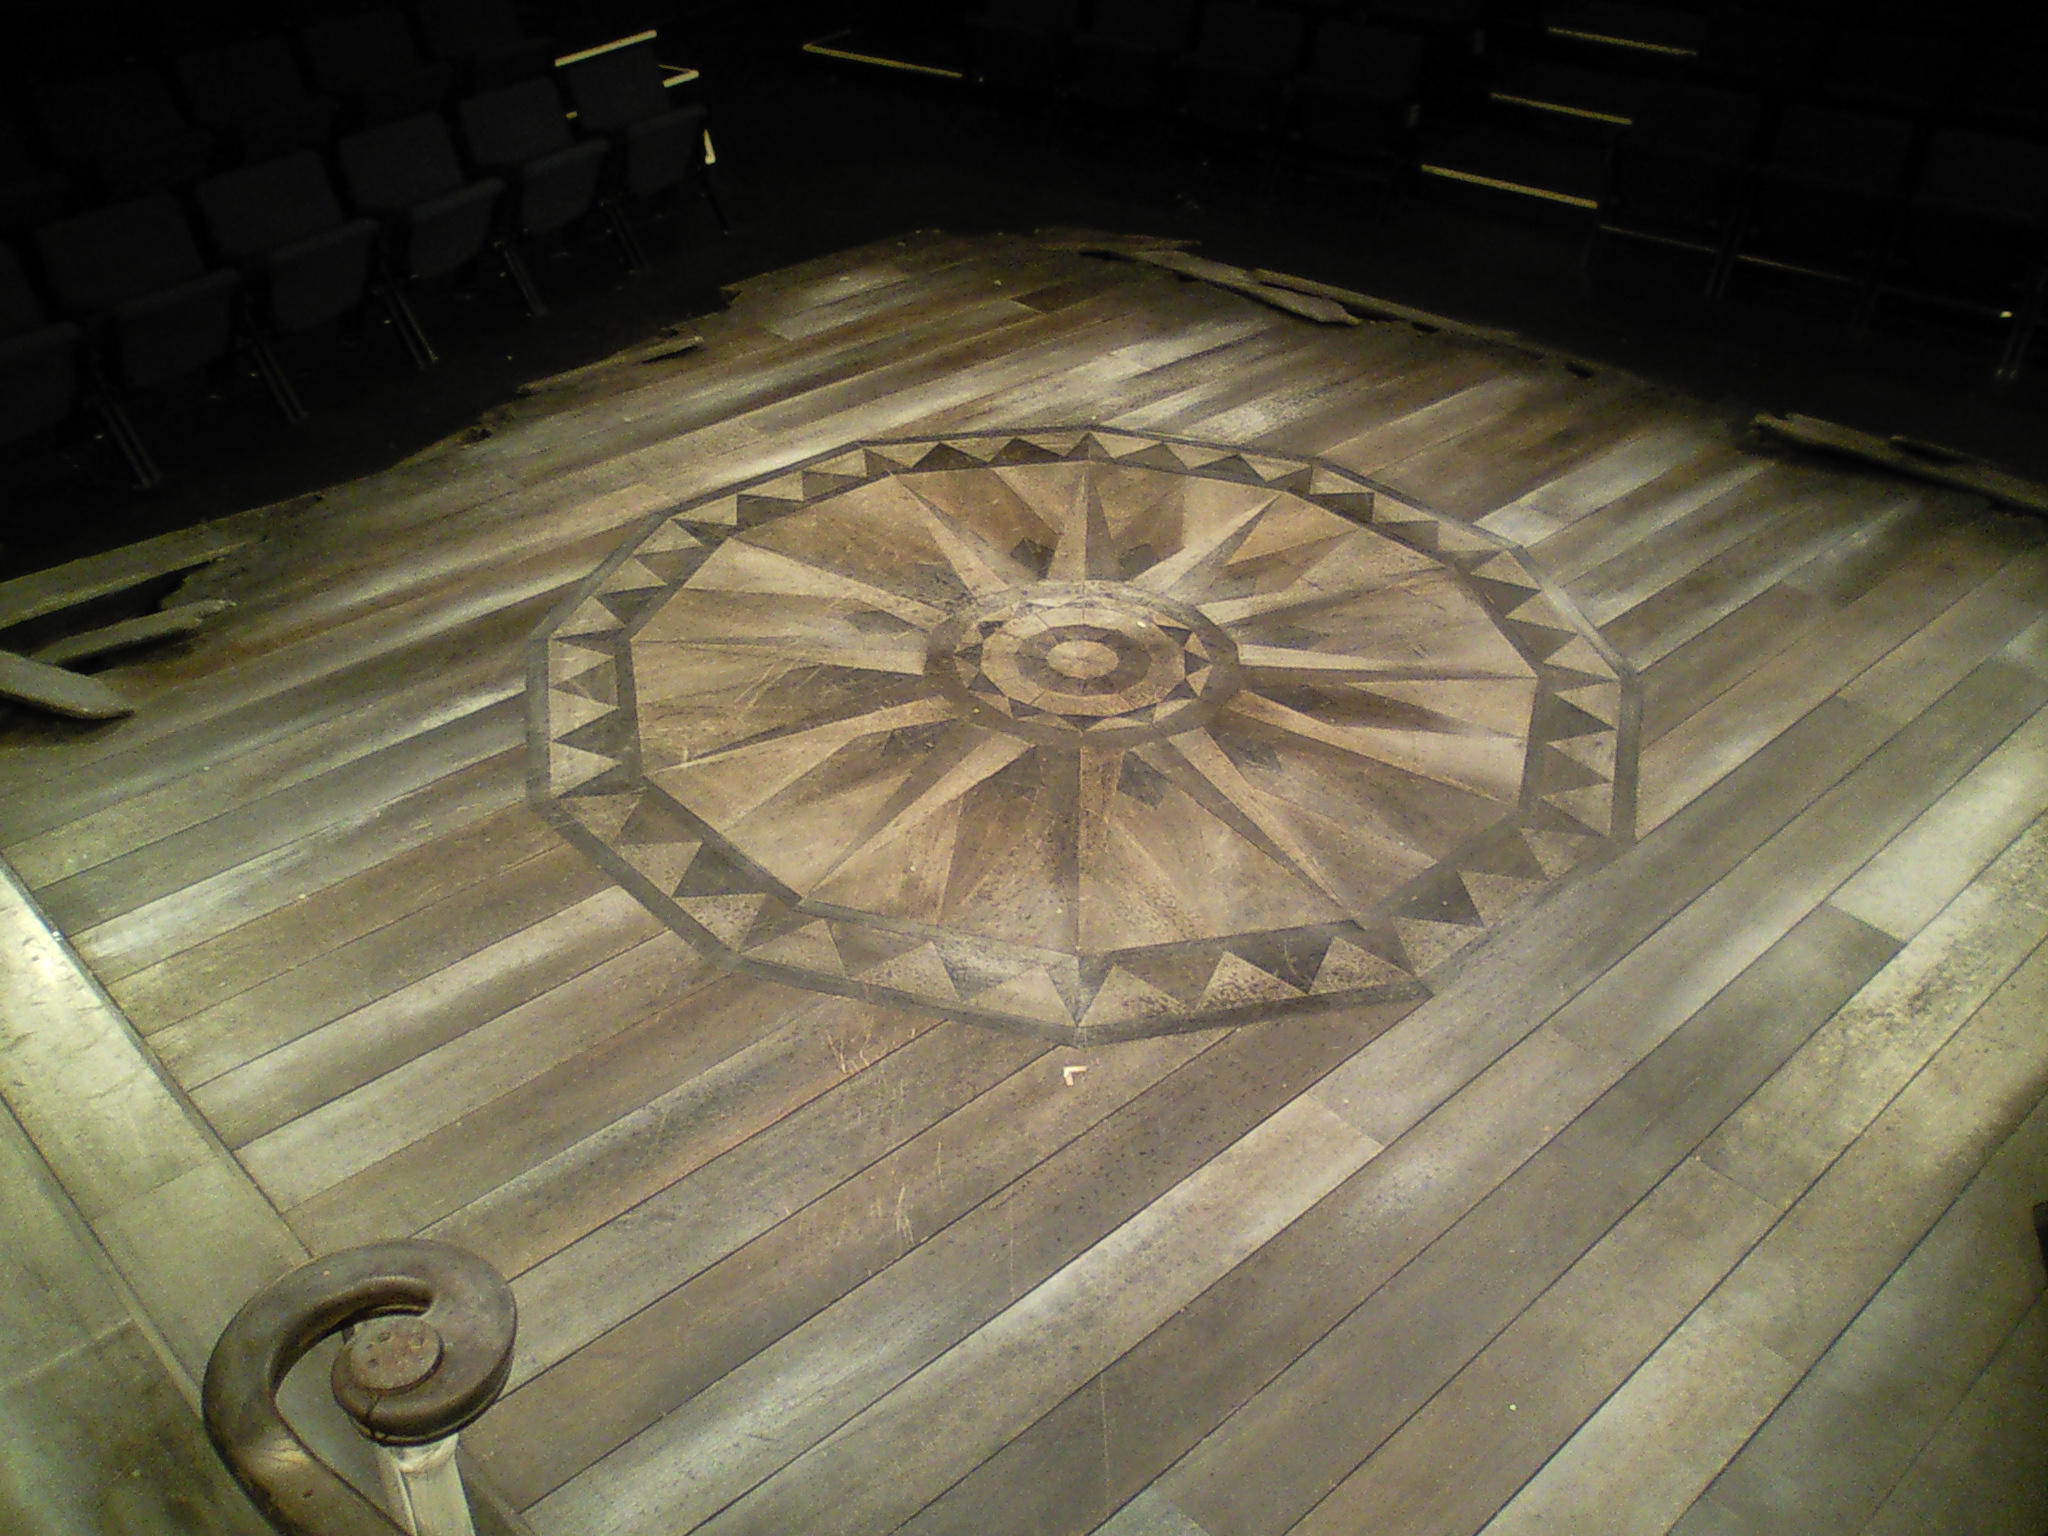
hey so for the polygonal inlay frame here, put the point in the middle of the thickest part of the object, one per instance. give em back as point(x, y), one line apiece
point(1078, 732)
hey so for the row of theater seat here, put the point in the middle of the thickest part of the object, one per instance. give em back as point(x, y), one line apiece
point(1793, 138)
point(92, 125)
point(144, 290)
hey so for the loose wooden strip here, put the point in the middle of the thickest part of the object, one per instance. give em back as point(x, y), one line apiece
point(50, 688)
point(1925, 461)
point(133, 565)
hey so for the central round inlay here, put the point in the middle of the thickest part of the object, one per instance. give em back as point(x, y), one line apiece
point(1077, 732)
point(1064, 662)
point(1081, 658)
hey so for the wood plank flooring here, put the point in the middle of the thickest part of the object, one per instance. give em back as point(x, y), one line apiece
point(1691, 1197)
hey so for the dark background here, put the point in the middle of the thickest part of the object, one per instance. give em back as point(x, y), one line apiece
point(815, 156)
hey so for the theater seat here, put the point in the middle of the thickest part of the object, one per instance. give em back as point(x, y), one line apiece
point(521, 134)
point(38, 358)
point(407, 177)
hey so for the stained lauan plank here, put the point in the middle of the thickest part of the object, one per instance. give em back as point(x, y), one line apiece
point(1450, 415)
point(1626, 1011)
point(791, 1394)
point(1706, 665)
point(142, 819)
point(262, 885)
point(1922, 869)
point(348, 1134)
point(1569, 548)
point(389, 959)
point(1714, 740)
point(1655, 453)
point(1921, 993)
point(924, 1178)
point(1658, 1442)
point(1987, 1464)
point(795, 1055)
point(259, 1094)
point(1473, 474)
point(1267, 1466)
point(250, 953)
point(1701, 597)
point(1002, 1376)
point(1551, 1214)
point(1826, 1458)
point(1471, 1126)
point(271, 821)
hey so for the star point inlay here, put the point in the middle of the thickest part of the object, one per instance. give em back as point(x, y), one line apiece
point(1078, 732)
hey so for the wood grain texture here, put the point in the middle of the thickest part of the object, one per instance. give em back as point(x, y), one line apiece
point(1679, 1191)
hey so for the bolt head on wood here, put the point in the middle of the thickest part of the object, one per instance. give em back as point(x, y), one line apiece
point(393, 1354)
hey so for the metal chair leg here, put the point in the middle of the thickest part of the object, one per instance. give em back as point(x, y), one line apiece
point(408, 326)
point(275, 378)
point(2013, 356)
point(516, 268)
point(623, 232)
point(121, 428)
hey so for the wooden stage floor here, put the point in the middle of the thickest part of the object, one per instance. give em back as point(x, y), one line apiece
point(1025, 897)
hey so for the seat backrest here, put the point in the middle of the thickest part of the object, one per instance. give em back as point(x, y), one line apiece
point(1763, 48)
point(1144, 23)
point(1036, 15)
point(458, 29)
point(1718, 126)
point(104, 258)
point(612, 89)
point(514, 124)
point(1852, 151)
point(349, 53)
point(1995, 178)
point(242, 80)
point(396, 165)
point(100, 113)
point(1244, 35)
point(1903, 71)
point(270, 204)
point(1387, 64)
point(19, 311)
point(187, 26)
point(1441, 15)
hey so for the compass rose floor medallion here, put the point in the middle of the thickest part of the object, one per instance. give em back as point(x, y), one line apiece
point(1078, 732)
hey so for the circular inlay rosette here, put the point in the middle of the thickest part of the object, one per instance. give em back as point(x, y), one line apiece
point(1079, 732)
